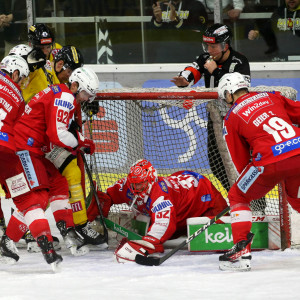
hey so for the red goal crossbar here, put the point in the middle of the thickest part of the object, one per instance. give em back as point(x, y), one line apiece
point(157, 96)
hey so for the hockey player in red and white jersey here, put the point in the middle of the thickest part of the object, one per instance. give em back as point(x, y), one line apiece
point(13, 72)
point(168, 201)
point(46, 120)
point(265, 148)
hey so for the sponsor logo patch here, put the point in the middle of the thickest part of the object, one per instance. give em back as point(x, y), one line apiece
point(206, 198)
point(63, 103)
point(17, 185)
point(248, 179)
point(286, 146)
point(28, 168)
point(55, 88)
point(161, 206)
point(3, 136)
point(76, 206)
point(163, 186)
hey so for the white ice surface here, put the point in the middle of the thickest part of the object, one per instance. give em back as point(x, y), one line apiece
point(274, 275)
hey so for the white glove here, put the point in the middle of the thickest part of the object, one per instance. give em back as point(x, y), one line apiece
point(127, 250)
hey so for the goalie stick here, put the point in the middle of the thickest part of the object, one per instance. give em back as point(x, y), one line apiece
point(156, 261)
point(130, 235)
point(87, 169)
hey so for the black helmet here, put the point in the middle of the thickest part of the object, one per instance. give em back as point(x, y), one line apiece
point(71, 56)
point(217, 33)
point(40, 34)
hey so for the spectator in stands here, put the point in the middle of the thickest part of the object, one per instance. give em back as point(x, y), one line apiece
point(176, 25)
point(286, 20)
point(15, 30)
point(260, 26)
point(179, 14)
point(5, 20)
point(232, 8)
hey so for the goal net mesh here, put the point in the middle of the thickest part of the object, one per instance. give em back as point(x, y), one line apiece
point(172, 132)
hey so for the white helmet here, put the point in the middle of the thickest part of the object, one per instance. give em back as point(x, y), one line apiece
point(20, 50)
point(87, 80)
point(232, 82)
point(11, 63)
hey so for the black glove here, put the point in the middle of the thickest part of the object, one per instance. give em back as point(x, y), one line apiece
point(36, 59)
point(90, 108)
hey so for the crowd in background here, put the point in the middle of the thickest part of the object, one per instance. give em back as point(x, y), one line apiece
point(166, 39)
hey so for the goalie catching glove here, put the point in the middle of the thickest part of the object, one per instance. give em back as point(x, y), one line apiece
point(85, 145)
point(127, 250)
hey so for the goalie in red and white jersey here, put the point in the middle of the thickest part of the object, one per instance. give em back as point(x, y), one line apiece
point(169, 201)
point(265, 148)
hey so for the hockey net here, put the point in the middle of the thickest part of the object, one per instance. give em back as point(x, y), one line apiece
point(174, 129)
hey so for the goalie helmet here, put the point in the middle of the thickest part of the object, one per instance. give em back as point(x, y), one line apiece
point(216, 34)
point(231, 83)
point(87, 81)
point(71, 56)
point(40, 34)
point(12, 63)
point(20, 50)
point(141, 178)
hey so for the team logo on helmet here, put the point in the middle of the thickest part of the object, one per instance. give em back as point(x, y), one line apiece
point(141, 177)
point(208, 39)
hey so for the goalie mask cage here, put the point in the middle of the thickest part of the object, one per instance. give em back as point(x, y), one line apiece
point(175, 129)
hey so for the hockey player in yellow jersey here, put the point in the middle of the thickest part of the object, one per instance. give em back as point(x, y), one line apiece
point(42, 73)
point(45, 73)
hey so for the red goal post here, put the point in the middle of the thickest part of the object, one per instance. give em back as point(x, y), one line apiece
point(135, 123)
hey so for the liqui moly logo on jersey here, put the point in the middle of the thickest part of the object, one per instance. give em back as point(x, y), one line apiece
point(63, 103)
point(161, 206)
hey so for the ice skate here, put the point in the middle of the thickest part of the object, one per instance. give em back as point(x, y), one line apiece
point(33, 247)
point(73, 240)
point(8, 250)
point(238, 258)
point(2, 227)
point(91, 236)
point(51, 257)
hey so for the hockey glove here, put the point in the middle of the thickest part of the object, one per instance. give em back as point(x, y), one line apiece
point(36, 59)
point(127, 250)
point(92, 209)
point(85, 145)
point(90, 108)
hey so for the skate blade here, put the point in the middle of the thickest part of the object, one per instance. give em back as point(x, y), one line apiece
point(56, 266)
point(238, 266)
point(99, 247)
point(79, 252)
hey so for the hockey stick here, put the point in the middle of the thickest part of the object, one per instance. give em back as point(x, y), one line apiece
point(156, 261)
point(122, 230)
point(87, 169)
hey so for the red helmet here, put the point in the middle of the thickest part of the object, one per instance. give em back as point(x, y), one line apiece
point(141, 177)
